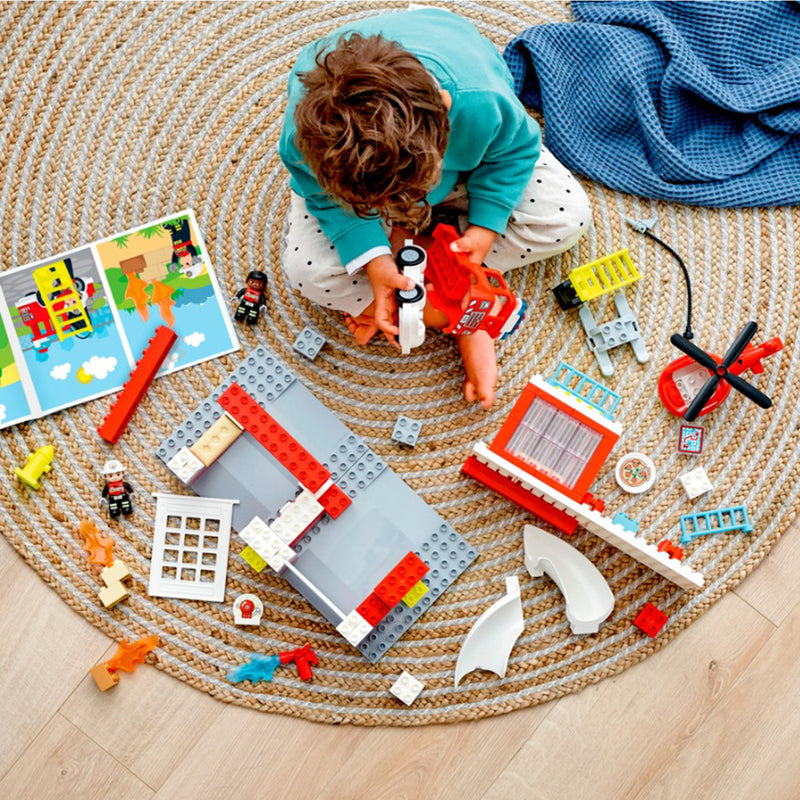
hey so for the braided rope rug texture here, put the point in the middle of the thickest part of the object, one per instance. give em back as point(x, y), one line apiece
point(116, 114)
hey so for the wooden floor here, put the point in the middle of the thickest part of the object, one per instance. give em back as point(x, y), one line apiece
point(714, 715)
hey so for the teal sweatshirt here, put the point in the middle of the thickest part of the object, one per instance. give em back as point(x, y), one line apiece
point(493, 141)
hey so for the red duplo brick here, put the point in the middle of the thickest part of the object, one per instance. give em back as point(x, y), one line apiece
point(373, 609)
point(519, 495)
point(334, 501)
point(673, 551)
point(650, 619)
point(399, 582)
point(120, 413)
point(272, 436)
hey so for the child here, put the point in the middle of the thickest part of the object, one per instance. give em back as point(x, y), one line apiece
point(395, 114)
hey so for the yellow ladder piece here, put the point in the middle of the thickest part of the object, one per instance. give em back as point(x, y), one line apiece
point(62, 300)
point(607, 274)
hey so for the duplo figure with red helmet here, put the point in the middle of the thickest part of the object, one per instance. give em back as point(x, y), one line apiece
point(117, 490)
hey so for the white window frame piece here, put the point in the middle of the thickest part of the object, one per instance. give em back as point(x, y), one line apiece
point(202, 508)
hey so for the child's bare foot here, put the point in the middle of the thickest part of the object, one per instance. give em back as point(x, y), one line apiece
point(480, 367)
point(363, 327)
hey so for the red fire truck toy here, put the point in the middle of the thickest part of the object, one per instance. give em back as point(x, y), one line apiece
point(473, 297)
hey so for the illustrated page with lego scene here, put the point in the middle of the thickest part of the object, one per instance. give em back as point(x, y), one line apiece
point(73, 326)
point(13, 403)
point(160, 274)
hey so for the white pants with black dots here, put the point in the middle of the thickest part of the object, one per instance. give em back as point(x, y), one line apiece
point(553, 214)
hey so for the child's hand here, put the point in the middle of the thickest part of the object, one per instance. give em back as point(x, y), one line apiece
point(385, 278)
point(475, 242)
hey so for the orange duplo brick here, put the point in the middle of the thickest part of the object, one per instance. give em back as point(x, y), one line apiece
point(103, 677)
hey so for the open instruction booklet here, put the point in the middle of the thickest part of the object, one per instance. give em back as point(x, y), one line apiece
point(73, 326)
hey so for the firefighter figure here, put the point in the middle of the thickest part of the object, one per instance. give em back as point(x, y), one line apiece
point(117, 491)
point(251, 298)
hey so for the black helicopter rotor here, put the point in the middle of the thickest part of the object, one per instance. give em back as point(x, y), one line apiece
point(720, 371)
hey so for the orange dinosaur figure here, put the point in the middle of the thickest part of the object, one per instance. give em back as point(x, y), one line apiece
point(128, 655)
point(98, 547)
point(135, 291)
point(162, 297)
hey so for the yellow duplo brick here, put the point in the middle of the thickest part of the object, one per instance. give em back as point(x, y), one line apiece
point(417, 591)
point(216, 440)
point(118, 571)
point(113, 594)
point(253, 559)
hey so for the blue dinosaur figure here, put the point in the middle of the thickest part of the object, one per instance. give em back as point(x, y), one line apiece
point(259, 668)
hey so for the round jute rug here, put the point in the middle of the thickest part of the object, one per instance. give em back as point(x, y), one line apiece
point(116, 114)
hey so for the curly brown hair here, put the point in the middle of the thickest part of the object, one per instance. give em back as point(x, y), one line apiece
point(373, 128)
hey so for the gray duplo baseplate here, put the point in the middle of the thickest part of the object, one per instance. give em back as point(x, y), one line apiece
point(345, 558)
point(448, 555)
point(260, 374)
point(361, 474)
point(344, 456)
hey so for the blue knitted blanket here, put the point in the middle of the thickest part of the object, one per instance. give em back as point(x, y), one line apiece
point(694, 102)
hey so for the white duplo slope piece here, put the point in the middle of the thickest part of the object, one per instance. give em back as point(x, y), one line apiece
point(491, 639)
point(587, 595)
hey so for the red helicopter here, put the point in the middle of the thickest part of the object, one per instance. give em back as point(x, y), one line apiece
point(699, 382)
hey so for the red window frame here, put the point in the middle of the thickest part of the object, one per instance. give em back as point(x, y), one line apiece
point(595, 464)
